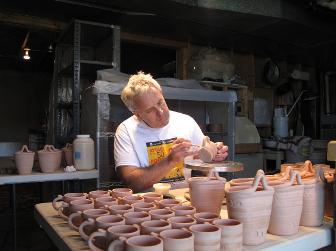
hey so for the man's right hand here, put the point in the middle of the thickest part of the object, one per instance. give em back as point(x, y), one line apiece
point(179, 150)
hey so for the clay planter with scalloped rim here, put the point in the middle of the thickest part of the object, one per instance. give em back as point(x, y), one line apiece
point(251, 205)
point(50, 159)
point(207, 193)
point(24, 160)
point(287, 206)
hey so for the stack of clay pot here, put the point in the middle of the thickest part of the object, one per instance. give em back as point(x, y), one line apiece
point(24, 160)
point(251, 205)
point(287, 206)
point(49, 159)
point(68, 154)
point(207, 193)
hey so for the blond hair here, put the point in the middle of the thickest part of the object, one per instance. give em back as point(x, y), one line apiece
point(137, 85)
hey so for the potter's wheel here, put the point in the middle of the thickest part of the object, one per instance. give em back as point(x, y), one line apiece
point(221, 166)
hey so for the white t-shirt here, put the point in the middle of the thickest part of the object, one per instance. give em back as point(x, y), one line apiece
point(137, 144)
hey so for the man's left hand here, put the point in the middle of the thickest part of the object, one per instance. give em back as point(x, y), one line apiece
point(222, 152)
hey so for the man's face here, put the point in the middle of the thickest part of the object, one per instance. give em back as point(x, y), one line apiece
point(151, 108)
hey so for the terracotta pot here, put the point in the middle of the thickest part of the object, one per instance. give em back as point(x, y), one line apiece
point(287, 206)
point(24, 160)
point(313, 200)
point(208, 150)
point(50, 159)
point(252, 206)
point(68, 154)
point(207, 193)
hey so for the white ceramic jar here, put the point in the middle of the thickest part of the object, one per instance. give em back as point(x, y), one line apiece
point(83, 147)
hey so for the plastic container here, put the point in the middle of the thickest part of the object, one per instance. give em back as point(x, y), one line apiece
point(83, 147)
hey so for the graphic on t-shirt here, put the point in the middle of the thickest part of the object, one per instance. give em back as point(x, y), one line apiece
point(157, 151)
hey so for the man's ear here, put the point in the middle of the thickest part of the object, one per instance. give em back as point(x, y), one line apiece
point(136, 115)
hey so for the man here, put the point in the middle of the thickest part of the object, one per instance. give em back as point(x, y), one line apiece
point(151, 145)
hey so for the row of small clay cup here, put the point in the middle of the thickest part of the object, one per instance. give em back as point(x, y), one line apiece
point(222, 234)
point(125, 214)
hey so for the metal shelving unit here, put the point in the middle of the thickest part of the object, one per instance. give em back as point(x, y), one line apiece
point(83, 48)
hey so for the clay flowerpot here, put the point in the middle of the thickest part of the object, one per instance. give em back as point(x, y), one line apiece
point(208, 150)
point(207, 193)
point(50, 159)
point(68, 154)
point(313, 200)
point(287, 207)
point(252, 206)
point(24, 160)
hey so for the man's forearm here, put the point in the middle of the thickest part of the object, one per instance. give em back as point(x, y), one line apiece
point(140, 179)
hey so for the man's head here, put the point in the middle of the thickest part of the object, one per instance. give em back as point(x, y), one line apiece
point(143, 97)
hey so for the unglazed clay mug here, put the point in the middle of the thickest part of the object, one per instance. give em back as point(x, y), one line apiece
point(121, 192)
point(101, 202)
point(231, 234)
point(67, 198)
point(121, 209)
point(74, 206)
point(155, 226)
point(102, 222)
point(137, 243)
point(151, 197)
point(162, 213)
point(143, 206)
point(131, 199)
point(77, 218)
point(182, 210)
point(205, 217)
point(136, 217)
point(176, 240)
point(179, 222)
point(99, 193)
point(112, 234)
point(168, 203)
point(207, 237)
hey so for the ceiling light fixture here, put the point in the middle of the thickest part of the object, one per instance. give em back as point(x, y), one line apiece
point(26, 55)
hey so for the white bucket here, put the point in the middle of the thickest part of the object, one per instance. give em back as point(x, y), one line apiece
point(280, 126)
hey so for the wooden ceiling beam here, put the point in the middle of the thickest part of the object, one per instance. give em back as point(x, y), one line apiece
point(31, 22)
